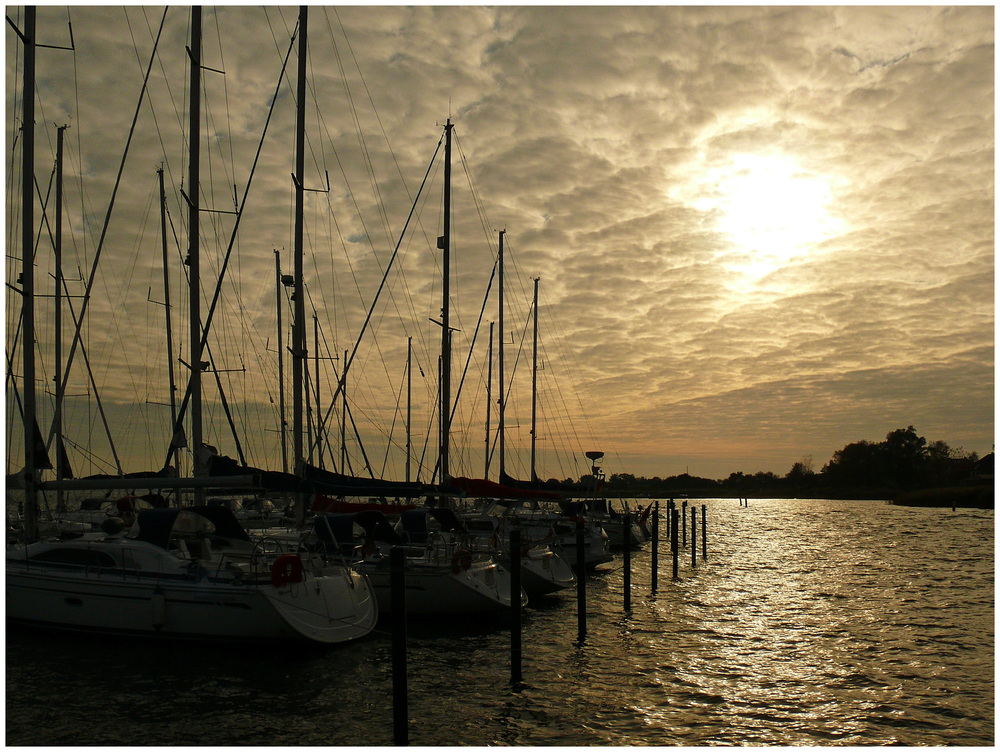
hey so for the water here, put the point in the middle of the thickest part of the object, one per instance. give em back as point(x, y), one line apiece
point(812, 623)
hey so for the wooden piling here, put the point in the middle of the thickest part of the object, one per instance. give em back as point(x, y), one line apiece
point(684, 514)
point(515, 606)
point(397, 583)
point(581, 585)
point(674, 548)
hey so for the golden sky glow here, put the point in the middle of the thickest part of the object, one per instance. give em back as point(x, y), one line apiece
point(761, 233)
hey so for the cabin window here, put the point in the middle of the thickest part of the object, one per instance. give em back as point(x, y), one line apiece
point(80, 557)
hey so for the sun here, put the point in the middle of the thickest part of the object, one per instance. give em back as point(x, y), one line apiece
point(770, 210)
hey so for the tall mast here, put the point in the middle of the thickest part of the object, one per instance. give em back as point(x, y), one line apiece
point(166, 300)
point(299, 320)
point(194, 190)
point(409, 392)
point(500, 335)
point(57, 419)
point(534, 384)
point(282, 423)
point(28, 274)
point(307, 406)
point(444, 243)
point(319, 434)
point(489, 405)
point(343, 418)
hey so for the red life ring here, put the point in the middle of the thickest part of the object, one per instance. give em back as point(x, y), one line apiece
point(461, 560)
point(286, 568)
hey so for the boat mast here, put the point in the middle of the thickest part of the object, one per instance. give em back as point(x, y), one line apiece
point(409, 392)
point(28, 274)
point(194, 190)
point(166, 300)
point(343, 418)
point(282, 423)
point(319, 430)
point(489, 404)
point(444, 243)
point(500, 342)
point(177, 438)
point(57, 418)
point(534, 384)
point(299, 318)
point(307, 406)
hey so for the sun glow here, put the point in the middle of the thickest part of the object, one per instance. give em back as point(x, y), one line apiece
point(771, 210)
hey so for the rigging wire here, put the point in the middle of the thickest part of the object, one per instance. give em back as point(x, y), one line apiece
point(218, 288)
point(90, 281)
point(347, 365)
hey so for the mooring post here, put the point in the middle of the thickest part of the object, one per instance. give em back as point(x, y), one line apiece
point(704, 533)
point(656, 541)
point(515, 605)
point(397, 585)
point(694, 535)
point(581, 585)
point(674, 548)
point(627, 541)
point(684, 514)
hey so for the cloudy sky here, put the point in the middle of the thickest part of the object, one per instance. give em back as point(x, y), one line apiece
point(760, 233)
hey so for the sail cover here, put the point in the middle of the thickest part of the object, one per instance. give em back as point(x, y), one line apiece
point(324, 481)
point(316, 480)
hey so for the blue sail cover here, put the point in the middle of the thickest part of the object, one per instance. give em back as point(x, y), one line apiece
point(314, 480)
point(156, 525)
point(324, 481)
point(414, 523)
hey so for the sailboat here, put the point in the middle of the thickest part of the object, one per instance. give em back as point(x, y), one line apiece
point(442, 574)
point(445, 573)
point(529, 504)
point(191, 573)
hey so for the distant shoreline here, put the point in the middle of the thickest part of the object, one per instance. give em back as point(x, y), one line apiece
point(976, 497)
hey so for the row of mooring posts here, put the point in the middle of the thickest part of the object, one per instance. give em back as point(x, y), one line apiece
point(677, 523)
point(677, 519)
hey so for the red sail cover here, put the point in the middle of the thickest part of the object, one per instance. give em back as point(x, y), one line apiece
point(482, 487)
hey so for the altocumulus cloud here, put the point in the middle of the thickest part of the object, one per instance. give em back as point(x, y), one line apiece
point(761, 233)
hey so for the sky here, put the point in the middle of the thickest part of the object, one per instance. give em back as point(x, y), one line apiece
point(760, 234)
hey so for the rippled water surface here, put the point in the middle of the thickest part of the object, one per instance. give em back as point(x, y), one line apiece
point(811, 623)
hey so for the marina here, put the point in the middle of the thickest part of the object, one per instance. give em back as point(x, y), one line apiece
point(812, 622)
point(478, 561)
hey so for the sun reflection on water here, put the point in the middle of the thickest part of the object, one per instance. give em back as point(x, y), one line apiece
point(802, 640)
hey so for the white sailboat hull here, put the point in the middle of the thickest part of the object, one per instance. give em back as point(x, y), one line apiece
point(185, 600)
point(483, 588)
point(543, 571)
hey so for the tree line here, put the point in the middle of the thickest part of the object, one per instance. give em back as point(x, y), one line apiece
point(902, 462)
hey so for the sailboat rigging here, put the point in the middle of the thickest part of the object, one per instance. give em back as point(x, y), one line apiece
point(190, 573)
